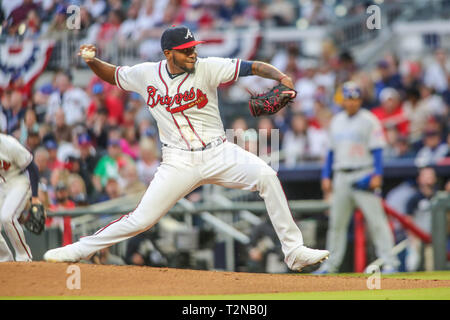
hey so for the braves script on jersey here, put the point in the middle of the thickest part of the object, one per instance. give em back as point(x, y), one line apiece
point(14, 158)
point(185, 107)
point(352, 138)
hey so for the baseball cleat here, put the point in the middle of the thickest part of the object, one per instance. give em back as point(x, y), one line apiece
point(309, 257)
point(63, 254)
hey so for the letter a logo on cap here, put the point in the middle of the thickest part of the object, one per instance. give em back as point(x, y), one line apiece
point(188, 34)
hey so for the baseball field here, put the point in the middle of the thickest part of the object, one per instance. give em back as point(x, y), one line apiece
point(41, 280)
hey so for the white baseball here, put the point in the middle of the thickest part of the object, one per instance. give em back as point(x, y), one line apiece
point(87, 54)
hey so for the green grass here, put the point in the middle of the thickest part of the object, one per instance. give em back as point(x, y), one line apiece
point(430, 275)
point(410, 294)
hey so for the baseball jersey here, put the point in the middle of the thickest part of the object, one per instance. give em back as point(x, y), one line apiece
point(353, 137)
point(14, 158)
point(185, 107)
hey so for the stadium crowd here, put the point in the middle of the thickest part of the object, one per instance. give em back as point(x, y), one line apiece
point(136, 19)
point(98, 143)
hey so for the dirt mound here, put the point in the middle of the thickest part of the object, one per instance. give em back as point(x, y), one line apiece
point(50, 279)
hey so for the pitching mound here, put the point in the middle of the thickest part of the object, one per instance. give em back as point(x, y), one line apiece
point(50, 279)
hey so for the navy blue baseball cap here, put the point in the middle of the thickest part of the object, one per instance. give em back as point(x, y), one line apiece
point(178, 37)
point(350, 90)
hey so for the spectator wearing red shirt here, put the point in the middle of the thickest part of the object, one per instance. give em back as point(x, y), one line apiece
point(111, 101)
point(110, 28)
point(390, 112)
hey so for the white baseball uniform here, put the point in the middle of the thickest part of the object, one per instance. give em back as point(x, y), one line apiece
point(352, 138)
point(187, 113)
point(15, 192)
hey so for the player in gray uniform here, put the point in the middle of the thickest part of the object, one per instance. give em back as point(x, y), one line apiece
point(355, 158)
point(19, 178)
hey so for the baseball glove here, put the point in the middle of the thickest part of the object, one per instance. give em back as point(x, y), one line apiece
point(34, 218)
point(272, 101)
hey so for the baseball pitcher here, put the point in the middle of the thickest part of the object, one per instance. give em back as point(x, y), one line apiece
point(181, 93)
point(355, 158)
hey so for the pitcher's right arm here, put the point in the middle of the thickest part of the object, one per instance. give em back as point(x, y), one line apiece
point(102, 69)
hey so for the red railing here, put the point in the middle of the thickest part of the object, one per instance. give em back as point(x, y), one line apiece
point(360, 234)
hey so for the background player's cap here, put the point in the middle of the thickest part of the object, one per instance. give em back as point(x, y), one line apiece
point(179, 37)
point(350, 90)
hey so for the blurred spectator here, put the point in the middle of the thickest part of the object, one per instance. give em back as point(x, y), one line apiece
point(111, 101)
point(105, 257)
point(390, 111)
point(416, 112)
point(316, 12)
point(33, 24)
point(437, 73)
point(266, 135)
point(98, 128)
point(254, 11)
point(41, 158)
point(196, 15)
point(63, 132)
point(142, 251)
point(96, 8)
point(308, 87)
point(250, 142)
point(19, 14)
point(264, 252)
point(230, 12)
point(72, 100)
point(388, 78)
point(129, 180)
point(57, 28)
point(138, 108)
point(322, 115)
point(14, 111)
point(52, 148)
point(130, 141)
point(89, 27)
point(303, 143)
point(345, 68)
point(77, 190)
point(108, 166)
point(411, 73)
point(150, 15)
point(33, 141)
point(432, 102)
point(128, 29)
point(112, 190)
point(236, 133)
point(28, 124)
point(87, 161)
point(109, 29)
point(434, 148)
point(148, 161)
point(288, 60)
point(62, 203)
point(281, 12)
point(419, 207)
point(40, 98)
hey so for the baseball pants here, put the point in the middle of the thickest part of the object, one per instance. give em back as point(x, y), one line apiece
point(14, 195)
point(343, 203)
point(180, 173)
